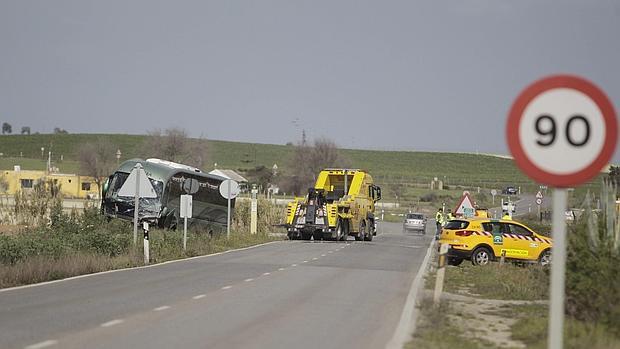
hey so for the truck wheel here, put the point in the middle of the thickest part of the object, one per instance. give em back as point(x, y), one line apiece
point(345, 230)
point(369, 234)
point(306, 236)
point(362, 232)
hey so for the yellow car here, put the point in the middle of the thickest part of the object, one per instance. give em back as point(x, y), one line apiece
point(482, 240)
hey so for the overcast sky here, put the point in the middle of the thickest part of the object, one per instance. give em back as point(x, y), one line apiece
point(415, 75)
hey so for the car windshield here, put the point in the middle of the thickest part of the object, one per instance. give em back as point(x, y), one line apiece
point(415, 216)
point(457, 224)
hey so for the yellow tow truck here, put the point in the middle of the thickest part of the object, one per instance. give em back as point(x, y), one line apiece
point(341, 203)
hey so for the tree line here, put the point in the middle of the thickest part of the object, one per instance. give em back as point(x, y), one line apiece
point(7, 129)
point(98, 159)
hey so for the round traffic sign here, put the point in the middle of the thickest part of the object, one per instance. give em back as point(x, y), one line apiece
point(493, 192)
point(562, 130)
point(539, 201)
point(233, 189)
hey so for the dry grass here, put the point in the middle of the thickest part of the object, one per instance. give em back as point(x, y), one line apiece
point(44, 268)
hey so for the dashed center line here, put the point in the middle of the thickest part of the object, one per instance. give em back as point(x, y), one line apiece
point(330, 251)
point(305, 261)
point(226, 287)
point(265, 274)
point(199, 296)
point(281, 269)
point(112, 323)
point(314, 259)
point(162, 308)
point(248, 280)
point(41, 345)
point(323, 255)
point(293, 265)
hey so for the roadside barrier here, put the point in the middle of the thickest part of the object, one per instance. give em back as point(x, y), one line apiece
point(441, 272)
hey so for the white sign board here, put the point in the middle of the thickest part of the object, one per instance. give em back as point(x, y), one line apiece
point(493, 192)
point(539, 201)
point(145, 190)
point(233, 189)
point(186, 206)
point(539, 195)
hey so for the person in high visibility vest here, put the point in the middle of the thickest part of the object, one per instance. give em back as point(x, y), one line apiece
point(450, 216)
point(506, 216)
point(438, 221)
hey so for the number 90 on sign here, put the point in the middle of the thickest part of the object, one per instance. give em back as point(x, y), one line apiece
point(562, 130)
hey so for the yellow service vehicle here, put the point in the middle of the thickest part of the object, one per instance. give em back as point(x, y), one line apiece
point(342, 203)
point(482, 240)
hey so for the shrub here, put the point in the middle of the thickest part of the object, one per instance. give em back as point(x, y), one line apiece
point(593, 273)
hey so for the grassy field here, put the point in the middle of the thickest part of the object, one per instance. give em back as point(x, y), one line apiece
point(388, 167)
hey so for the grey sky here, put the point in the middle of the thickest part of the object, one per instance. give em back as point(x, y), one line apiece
point(417, 75)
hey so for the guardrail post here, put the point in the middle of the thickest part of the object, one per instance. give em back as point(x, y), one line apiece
point(441, 271)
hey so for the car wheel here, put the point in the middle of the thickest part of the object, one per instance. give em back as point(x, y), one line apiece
point(545, 258)
point(454, 261)
point(481, 256)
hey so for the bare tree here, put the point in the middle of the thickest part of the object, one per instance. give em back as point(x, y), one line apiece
point(173, 144)
point(308, 161)
point(97, 160)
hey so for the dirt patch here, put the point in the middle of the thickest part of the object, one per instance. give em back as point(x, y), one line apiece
point(487, 320)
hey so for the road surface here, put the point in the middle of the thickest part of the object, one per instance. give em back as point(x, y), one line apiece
point(525, 205)
point(287, 294)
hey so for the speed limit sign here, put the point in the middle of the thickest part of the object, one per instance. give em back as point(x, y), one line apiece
point(562, 130)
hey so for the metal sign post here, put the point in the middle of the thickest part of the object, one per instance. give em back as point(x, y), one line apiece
point(229, 189)
point(558, 269)
point(185, 213)
point(561, 131)
point(228, 216)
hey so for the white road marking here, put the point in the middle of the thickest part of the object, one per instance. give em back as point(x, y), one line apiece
point(44, 344)
point(323, 255)
point(305, 261)
point(314, 259)
point(112, 323)
point(248, 280)
point(265, 274)
point(281, 269)
point(293, 265)
point(163, 307)
point(406, 325)
point(142, 267)
point(199, 296)
point(226, 287)
point(330, 251)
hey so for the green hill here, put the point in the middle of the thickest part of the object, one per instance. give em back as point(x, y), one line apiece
point(388, 167)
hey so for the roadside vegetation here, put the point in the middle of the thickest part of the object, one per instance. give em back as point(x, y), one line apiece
point(68, 244)
point(507, 306)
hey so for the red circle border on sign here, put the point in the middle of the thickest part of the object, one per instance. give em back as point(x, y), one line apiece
point(543, 85)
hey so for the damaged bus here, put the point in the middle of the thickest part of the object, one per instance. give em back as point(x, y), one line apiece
point(170, 180)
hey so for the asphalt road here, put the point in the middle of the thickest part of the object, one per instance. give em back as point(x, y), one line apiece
point(525, 205)
point(289, 294)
